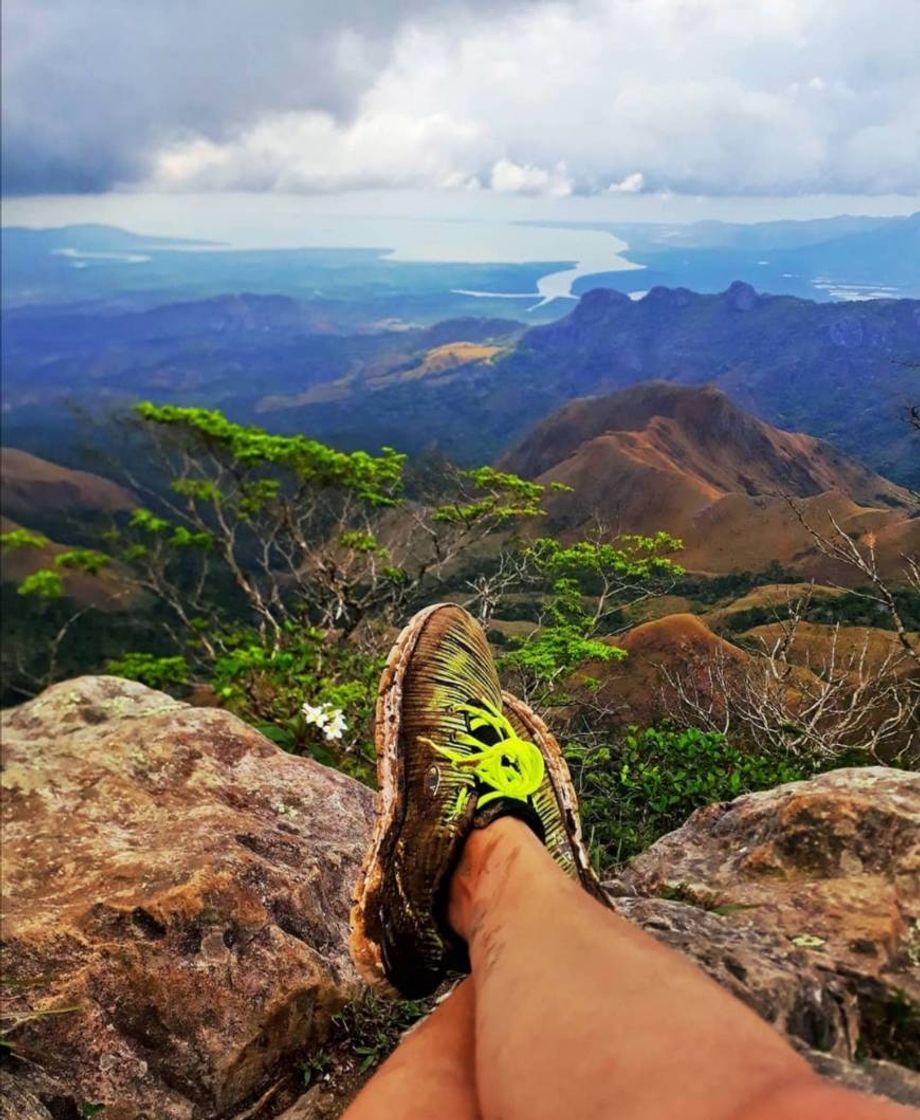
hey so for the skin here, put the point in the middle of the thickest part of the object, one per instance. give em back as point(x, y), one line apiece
point(573, 1011)
point(430, 1073)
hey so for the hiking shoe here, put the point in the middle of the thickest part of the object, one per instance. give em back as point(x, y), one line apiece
point(444, 750)
point(449, 759)
point(555, 803)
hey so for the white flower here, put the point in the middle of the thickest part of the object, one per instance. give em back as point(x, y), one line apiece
point(315, 714)
point(331, 721)
point(336, 725)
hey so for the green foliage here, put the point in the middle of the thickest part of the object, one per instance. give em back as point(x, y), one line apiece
point(375, 479)
point(183, 537)
point(560, 645)
point(162, 673)
point(587, 581)
point(373, 1024)
point(498, 496)
point(268, 687)
point(148, 522)
point(632, 557)
point(647, 782)
point(314, 1066)
point(359, 540)
point(200, 488)
point(22, 538)
point(83, 560)
point(43, 584)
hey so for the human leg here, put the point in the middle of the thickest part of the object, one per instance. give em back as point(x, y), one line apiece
point(580, 1013)
point(431, 1072)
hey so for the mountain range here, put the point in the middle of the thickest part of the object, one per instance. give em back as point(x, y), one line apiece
point(690, 461)
point(845, 372)
point(656, 456)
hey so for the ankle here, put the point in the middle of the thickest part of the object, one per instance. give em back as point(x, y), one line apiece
point(488, 854)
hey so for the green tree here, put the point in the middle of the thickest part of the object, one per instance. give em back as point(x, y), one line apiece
point(589, 582)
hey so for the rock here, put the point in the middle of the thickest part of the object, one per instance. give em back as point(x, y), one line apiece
point(315, 1105)
point(19, 1103)
point(805, 902)
point(176, 895)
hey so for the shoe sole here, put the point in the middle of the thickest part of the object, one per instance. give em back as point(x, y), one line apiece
point(391, 787)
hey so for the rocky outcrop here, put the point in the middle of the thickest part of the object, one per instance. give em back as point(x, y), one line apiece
point(176, 894)
point(805, 902)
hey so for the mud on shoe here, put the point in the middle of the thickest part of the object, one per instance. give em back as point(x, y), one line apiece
point(453, 754)
point(438, 675)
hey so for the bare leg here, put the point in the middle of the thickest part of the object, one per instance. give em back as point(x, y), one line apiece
point(431, 1072)
point(581, 1014)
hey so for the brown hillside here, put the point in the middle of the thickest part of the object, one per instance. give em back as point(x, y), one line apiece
point(450, 356)
point(682, 642)
point(29, 484)
point(812, 646)
point(106, 591)
point(687, 460)
point(637, 689)
point(704, 435)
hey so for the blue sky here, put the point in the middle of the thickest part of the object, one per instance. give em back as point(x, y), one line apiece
point(621, 101)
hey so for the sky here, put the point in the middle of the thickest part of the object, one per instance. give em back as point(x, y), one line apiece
point(623, 102)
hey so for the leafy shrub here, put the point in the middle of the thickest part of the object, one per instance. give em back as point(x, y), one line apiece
point(162, 673)
point(43, 584)
point(22, 538)
point(640, 786)
point(269, 687)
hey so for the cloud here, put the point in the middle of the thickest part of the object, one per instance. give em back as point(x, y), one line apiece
point(311, 152)
point(532, 97)
point(629, 184)
point(95, 90)
point(514, 178)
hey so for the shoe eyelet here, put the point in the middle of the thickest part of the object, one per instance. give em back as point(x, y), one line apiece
point(432, 780)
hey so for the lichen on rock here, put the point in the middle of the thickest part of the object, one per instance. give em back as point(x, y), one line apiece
point(804, 901)
point(176, 894)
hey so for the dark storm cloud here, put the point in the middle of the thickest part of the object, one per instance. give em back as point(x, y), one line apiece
point(549, 97)
point(92, 88)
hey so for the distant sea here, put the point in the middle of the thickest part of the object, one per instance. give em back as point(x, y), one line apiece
point(477, 228)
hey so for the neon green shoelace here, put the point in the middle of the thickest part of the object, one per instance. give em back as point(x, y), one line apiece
point(511, 767)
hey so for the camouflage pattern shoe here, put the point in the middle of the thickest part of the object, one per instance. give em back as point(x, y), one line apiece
point(448, 760)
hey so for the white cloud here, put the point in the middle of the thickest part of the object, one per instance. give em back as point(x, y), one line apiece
point(311, 152)
point(535, 96)
point(629, 184)
point(509, 177)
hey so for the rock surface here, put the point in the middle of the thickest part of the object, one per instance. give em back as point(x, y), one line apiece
point(805, 902)
point(176, 894)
